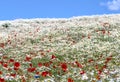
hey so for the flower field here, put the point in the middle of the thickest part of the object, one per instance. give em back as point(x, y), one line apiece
point(78, 49)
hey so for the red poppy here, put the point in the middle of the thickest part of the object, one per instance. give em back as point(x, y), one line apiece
point(30, 65)
point(2, 45)
point(53, 57)
point(37, 72)
point(78, 64)
point(31, 69)
point(17, 64)
point(47, 64)
point(103, 31)
point(23, 79)
point(28, 58)
point(2, 80)
point(45, 73)
point(104, 66)
point(39, 64)
point(16, 68)
point(13, 75)
point(0, 72)
point(99, 72)
point(5, 65)
point(108, 59)
point(1, 62)
point(96, 66)
point(9, 69)
point(64, 66)
point(50, 62)
point(54, 66)
point(70, 80)
point(90, 60)
point(82, 72)
point(5, 57)
point(11, 60)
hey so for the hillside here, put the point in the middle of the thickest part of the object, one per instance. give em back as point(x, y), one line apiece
point(77, 49)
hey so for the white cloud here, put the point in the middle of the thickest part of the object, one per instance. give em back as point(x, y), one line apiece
point(113, 5)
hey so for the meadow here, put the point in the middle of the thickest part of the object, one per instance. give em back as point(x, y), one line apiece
point(78, 49)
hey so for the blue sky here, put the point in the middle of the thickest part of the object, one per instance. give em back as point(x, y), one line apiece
point(15, 9)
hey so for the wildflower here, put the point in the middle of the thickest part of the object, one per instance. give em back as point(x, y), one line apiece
point(53, 57)
point(47, 64)
point(0, 72)
point(37, 76)
point(48, 51)
point(83, 36)
point(30, 65)
point(70, 80)
point(50, 62)
point(108, 59)
point(64, 66)
point(90, 60)
point(5, 57)
point(28, 58)
point(82, 72)
point(42, 53)
point(96, 66)
point(17, 64)
point(1, 54)
point(2, 80)
point(39, 64)
point(98, 77)
point(23, 79)
point(11, 60)
point(16, 68)
point(104, 66)
point(103, 31)
point(5, 65)
point(54, 66)
point(32, 69)
point(45, 73)
point(9, 69)
point(37, 73)
point(1, 62)
point(84, 77)
point(2, 45)
point(78, 64)
point(9, 42)
point(99, 72)
point(13, 75)
point(108, 32)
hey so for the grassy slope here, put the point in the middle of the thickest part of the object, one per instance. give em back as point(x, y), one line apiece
point(81, 39)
